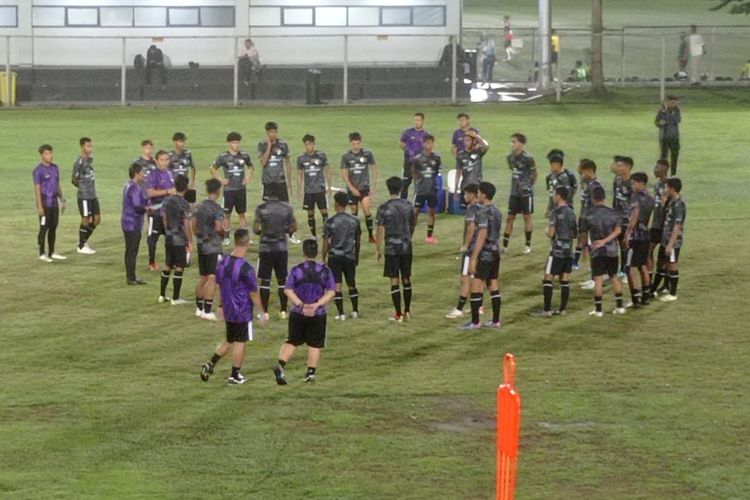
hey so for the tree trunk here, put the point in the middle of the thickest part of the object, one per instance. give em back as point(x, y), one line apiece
point(597, 64)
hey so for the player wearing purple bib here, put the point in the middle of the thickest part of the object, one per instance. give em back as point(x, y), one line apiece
point(411, 142)
point(47, 190)
point(159, 185)
point(133, 209)
point(457, 141)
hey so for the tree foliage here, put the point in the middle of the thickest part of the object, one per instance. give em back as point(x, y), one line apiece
point(735, 6)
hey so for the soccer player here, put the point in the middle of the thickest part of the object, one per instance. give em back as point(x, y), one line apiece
point(273, 152)
point(587, 170)
point(146, 160)
point(521, 199)
point(341, 244)
point(159, 185)
point(603, 225)
point(559, 176)
point(661, 171)
point(484, 264)
point(623, 192)
point(469, 161)
point(425, 168)
point(671, 239)
point(412, 140)
point(133, 210)
point(396, 220)
point(274, 221)
point(239, 293)
point(178, 240)
point(88, 203)
point(310, 287)
point(208, 227)
point(457, 140)
point(360, 174)
point(181, 164)
point(314, 180)
point(470, 193)
point(563, 232)
point(47, 191)
point(668, 120)
point(233, 163)
point(637, 238)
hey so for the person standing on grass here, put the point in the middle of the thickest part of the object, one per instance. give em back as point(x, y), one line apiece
point(49, 201)
point(181, 164)
point(457, 140)
point(146, 161)
point(661, 171)
point(310, 288)
point(88, 203)
point(411, 142)
point(559, 176)
point(587, 170)
point(233, 163)
point(602, 226)
point(277, 168)
point(160, 184)
point(469, 162)
point(341, 243)
point(508, 38)
point(470, 193)
point(623, 192)
point(239, 293)
point(668, 120)
point(133, 210)
point(638, 238)
point(697, 51)
point(521, 200)
point(314, 181)
point(425, 168)
point(396, 220)
point(178, 240)
point(208, 227)
point(672, 238)
point(357, 167)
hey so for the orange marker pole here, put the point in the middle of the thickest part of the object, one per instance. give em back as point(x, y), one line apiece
point(508, 427)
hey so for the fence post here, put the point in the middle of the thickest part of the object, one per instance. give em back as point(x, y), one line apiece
point(508, 427)
point(713, 51)
point(8, 97)
point(662, 92)
point(453, 69)
point(622, 56)
point(346, 70)
point(235, 74)
point(533, 53)
point(558, 82)
point(123, 73)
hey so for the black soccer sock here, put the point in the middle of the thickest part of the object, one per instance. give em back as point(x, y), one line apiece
point(577, 255)
point(176, 284)
point(208, 306)
point(311, 370)
point(430, 230)
point(265, 294)
point(461, 302)
point(547, 289)
point(528, 238)
point(368, 223)
point(506, 240)
point(339, 301)
point(564, 294)
point(656, 281)
point(51, 237)
point(497, 301)
point(324, 214)
point(83, 232)
point(407, 296)
point(598, 303)
point(674, 277)
point(151, 242)
point(396, 298)
point(41, 237)
point(618, 300)
point(476, 304)
point(283, 299)
point(354, 297)
point(215, 359)
point(199, 303)
point(92, 226)
point(235, 371)
point(164, 283)
point(311, 223)
point(282, 363)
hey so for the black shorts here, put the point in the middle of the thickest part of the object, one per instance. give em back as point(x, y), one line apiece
point(655, 235)
point(363, 193)
point(239, 332)
point(313, 200)
point(553, 57)
point(273, 262)
point(396, 265)
point(557, 266)
point(190, 196)
point(207, 263)
point(341, 266)
point(235, 200)
point(637, 253)
point(603, 265)
point(672, 258)
point(276, 190)
point(430, 199)
point(88, 208)
point(155, 223)
point(176, 256)
point(488, 270)
point(521, 205)
point(310, 330)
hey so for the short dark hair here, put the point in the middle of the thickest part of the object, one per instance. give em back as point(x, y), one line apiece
point(472, 188)
point(44, 147)
point(83, 140)
point(241, 237)
point(428, 137)
point(662, 162)
point(519, 137)
point(462, 115)
point(213, 185)
point(598, 194)
point(147, 142)
point(556, 155)
point(341, 199)
point(272, 126)
point(161, 152)
point(394, 184)
point(310, 248)
point(488, 189)
point(627, 161)
point(179, 136)
point(587, 164)
point(234, 136)
point(181, 184)
point(639, 177)
point(562, 191)
point(419, 114)
point(675, 183)
point(355, 136)
point(134, 169)
point(308, 138)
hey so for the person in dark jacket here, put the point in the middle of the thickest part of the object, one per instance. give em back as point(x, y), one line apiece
point(668, 120)
point(155, 62)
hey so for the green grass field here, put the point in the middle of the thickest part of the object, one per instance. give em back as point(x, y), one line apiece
point(100, 395)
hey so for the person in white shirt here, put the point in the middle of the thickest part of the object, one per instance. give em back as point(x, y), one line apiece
point(697, 50)
point(249, 61)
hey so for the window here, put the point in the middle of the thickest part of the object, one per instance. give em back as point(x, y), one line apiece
point(8, 17)
point(330, 16)
point(184, 17)
point(265, 16)
point(83, 16)
point(116, 16)
point(48, 16)
point(395, 16)
point(298, 17)
point(217, 16)
point(428, 16)
point(150, 16)
point(364, 16)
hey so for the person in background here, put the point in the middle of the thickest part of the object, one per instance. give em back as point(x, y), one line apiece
point(683, 52)
point(508, 38)
point(88, 204)
point(47, 190)
point(554, 43)
point(155, 62)
point(457, 140)
point(133, 211)
point(668, 120)
point(411, 143)
point(745, 75)
point(697, 50)
point(249, 62)
point(181, 163)
point(579, 73)
point(487, 50)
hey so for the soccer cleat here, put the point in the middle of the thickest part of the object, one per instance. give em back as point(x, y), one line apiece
point(44, 258)
point(309, 378)
point(355, 315)
point(397, 318)
point(238, 380)
point(542, 314)
point(431, 240)
point(85, 250)
point(470, 326)
point(57, 256)
point(179, 302)
point(198, 312)
point(619, 310)
point(493, 324)
point(407, 315)
point(576, 267)
point(588, 285)
point(136, 281)
point(163, 299)
point(597, 314)
point(278, 372)
point(209, 316)
point(668, 298)
point(293, 238)
point(282, 315)
point(526, 250)
point(206, 371)
point(153, 266)
point(340, 317)
point(560, 312)
point(227, 242)
point(454, 314)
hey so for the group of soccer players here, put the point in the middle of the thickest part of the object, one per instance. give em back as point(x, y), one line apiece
point(161, 196)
